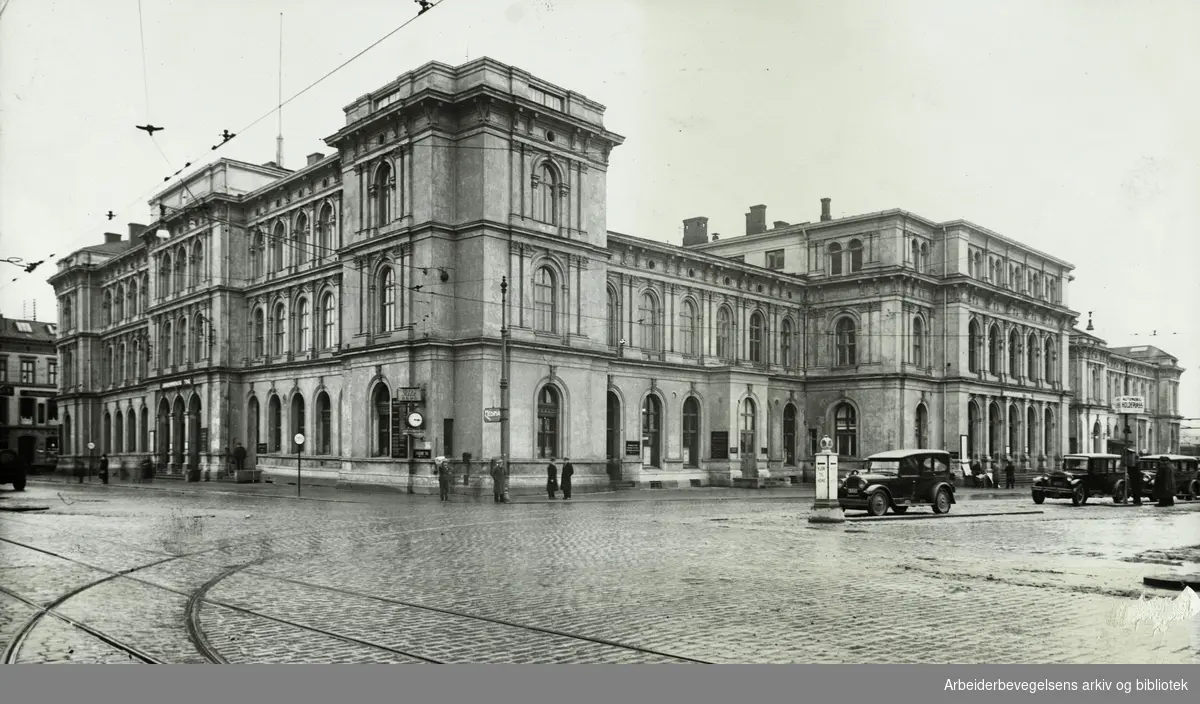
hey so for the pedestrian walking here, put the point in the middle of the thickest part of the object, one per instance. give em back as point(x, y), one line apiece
point(568, 471)
point(551, 479)
point(1134, 475)
point(498, 480)
point(104, 468)
point(239, 455)
point(1010, 475)
point(442, 467)
point(1164, 483)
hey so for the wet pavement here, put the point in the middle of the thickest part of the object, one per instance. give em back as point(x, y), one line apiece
point(207, 573)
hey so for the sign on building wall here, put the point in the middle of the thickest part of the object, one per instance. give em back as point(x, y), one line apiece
point(421, 453)
point(633, 448)
point(399, 439)
point(720, 444)
point(408, 395)
point(1130, 404)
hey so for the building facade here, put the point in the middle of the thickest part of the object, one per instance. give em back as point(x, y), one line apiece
point(336, 300)
point(28, 386)
point(1099, 374)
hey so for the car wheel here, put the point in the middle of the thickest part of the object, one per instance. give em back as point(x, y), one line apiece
point(1079, 497)
point(899, 510)
point(1038, 497)
point(1119, 494)
point(941, 502)
point(878, 504)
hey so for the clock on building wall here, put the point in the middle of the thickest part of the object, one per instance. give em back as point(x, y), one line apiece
point(415, 419)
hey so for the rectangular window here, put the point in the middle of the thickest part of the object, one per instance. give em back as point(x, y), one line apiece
point(28, 371)
point(52, 372)
point(27, 409)
point(4, 411)
point(41, 417)
point(3, 368)
point(812, 441)
point(543, 98)
point(775, 259)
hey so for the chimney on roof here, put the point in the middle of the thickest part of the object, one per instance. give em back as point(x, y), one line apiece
point(781, 223)
point(111, 237)
point(716, 236)
point(695, 231)
point(315, 157)
point(825, 216)
point(756, 220)
point(135, 230)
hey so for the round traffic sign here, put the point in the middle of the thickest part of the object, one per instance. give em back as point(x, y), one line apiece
point(91, 446)
point(299, 439)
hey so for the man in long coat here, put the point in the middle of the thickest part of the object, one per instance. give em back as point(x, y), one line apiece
point(1164, 483)
point(551, 479)
point(568, 471)
point(443, 471)
point(499, 481)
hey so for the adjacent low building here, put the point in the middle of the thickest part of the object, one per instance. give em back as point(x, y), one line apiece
point(359, 301)
point(28, 386)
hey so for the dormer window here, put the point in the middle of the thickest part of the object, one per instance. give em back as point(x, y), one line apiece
point(542, 97)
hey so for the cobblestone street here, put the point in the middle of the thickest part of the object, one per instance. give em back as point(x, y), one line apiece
point(248, 575)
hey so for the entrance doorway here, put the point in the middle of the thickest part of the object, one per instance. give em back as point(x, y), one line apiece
point(748, 440)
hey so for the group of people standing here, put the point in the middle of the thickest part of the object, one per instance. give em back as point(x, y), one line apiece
point(1164, 488)
point(499, 473)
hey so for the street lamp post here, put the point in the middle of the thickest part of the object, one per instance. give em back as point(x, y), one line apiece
point(299, 440)
point(504, 380)
point(91, 462)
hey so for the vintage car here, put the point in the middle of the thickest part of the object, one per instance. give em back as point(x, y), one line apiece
point(1187, 481)
point(1082, 476)
point(12, 469)
point(899, 479)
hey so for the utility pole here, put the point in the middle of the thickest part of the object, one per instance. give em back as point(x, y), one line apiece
point(504, 379)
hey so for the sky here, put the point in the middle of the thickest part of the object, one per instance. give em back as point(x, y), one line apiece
point(1066, 125)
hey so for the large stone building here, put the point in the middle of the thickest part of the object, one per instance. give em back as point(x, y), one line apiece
point(1099, 374)
point(335, 299)
point(28, 384)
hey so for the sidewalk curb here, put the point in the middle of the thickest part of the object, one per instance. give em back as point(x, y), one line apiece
point(173, 490)
point(920, 516)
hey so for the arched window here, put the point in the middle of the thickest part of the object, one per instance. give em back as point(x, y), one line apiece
point(785, 343)
point(280, 328)
point(260, 331)
point(181, 341)
point(856, 255)
point(924, 268)
point(123, 366)
point(199, 274)
point(181, 269)
point(165, 358)
point(978, 271)
point(973, 429)
point(277, 240)
point(1048, 360)
point(789, 435)
point(1031, 365)
point(548, 415)
point(835, 259)
point(258, 256)
point(845, 430)
point(973, 346)
point(691, 432)
point(847, 342)
point(198, 338)
point(1048, 435)
point(325, 239)
point(387, 299)
point(545, 300)
point(119, 305)
point(106, 309)
point(614, 319)
point(106, 441)
point(915, 253)
point(1014, 431)
point(300, 235)
point(328, 319)
point(299, 426)
point(1014, 353)
point(381, 415)
point(687, 328)
point(724, 335)
point(302, 325)
point(134, 300)
point(145, 304)
point(651, 431)
point(118, 432)
point(324, 440)
point(994, 350)
point(382, 192)
point(131, 434)
point(136, 366)
point(922, 426)
point(648, 321)
point(275, 424)
point(545, 204)
point(748, 437)
point(757, 330)
point(1031, 444)
point(918, 339)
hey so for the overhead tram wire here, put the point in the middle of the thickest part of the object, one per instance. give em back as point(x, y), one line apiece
point(229, 136)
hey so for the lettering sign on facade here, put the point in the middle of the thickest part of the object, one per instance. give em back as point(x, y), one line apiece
point(408, 395)
point(491, 415)
point(1129, 404)
point(633, 448)
point(720, 444)
point(421, 453)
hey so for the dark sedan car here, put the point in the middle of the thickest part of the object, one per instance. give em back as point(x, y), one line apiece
point(899, 479)
point(1187, 481)
point(1081, 477)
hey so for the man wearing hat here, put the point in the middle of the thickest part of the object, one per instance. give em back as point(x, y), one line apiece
point(1134, 475)
point(499, 481)
point(443, 472)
